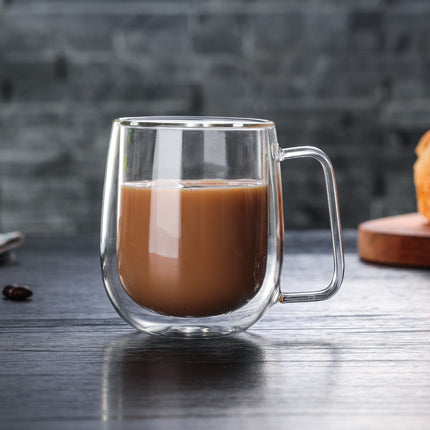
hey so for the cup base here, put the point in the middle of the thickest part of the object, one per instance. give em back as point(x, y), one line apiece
point(192, 331)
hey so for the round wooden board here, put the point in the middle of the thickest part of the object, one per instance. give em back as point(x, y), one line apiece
point(402, 240)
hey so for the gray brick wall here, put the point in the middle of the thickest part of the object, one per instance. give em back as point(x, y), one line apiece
point(349, 76)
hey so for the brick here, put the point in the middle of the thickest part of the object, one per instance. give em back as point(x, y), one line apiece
point(154, 34)
point(357, 78)
point(325, 32)
point(408, 78)
point(406, 114)
point(279, 33)
point(366, 31)
point(227, 88)
point(218, 34)
point(406, 29)
point(32, 81)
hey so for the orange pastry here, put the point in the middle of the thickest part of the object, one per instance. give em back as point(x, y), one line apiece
point(422, 175)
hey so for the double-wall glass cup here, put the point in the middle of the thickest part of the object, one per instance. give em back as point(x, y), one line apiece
point(192, 223)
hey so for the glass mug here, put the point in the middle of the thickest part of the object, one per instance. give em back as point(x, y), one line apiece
point(192, 223)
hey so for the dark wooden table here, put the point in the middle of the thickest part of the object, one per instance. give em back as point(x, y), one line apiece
point(358, 361)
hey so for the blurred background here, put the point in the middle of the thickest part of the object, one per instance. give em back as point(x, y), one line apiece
point(348, 76)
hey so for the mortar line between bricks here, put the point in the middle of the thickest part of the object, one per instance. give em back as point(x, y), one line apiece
point(179, 8)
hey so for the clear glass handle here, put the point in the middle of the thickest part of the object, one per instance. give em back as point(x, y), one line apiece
point(336, 235)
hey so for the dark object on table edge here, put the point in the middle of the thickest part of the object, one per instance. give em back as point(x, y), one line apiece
point(8, 242)
point(17, 292)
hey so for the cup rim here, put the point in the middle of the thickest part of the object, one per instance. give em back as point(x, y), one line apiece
point(194, 122)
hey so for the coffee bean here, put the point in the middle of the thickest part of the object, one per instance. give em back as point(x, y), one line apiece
point(17, 292)
point(7, 289)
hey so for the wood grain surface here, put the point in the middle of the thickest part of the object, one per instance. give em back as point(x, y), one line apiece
point(358, 361)
point(402, 240)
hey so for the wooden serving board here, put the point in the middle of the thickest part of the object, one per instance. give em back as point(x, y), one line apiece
point(402, 240)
